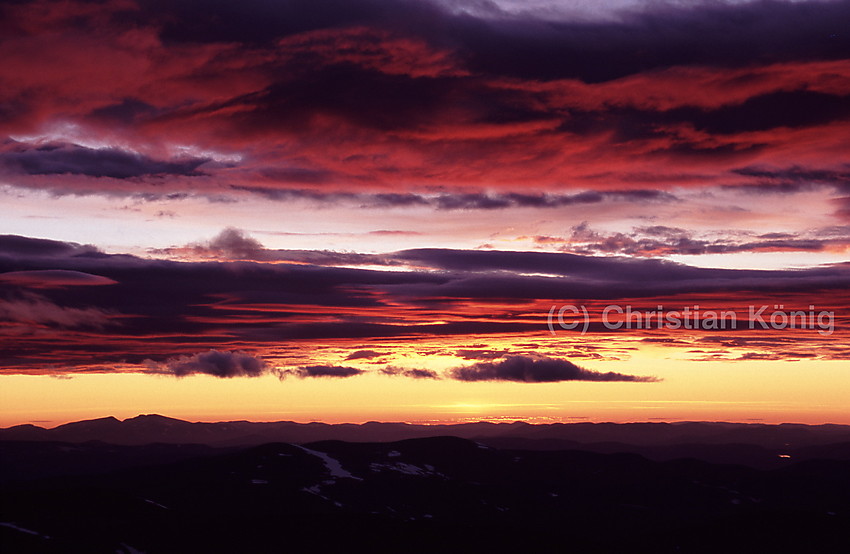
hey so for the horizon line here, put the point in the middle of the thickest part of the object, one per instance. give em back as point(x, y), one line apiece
point(446, 423)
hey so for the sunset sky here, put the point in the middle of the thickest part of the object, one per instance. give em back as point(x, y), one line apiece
point(354, 210)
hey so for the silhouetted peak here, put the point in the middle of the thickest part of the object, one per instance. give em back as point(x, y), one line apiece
point(98, 422)
point(153, 418)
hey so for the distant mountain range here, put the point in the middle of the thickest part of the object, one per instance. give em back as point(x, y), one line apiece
point(752, 444)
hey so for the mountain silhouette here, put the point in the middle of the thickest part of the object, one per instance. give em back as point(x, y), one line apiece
point(755, 445)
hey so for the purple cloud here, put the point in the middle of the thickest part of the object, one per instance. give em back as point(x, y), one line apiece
point(536, 369)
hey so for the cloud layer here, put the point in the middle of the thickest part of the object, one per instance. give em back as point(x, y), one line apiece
point(150, 309)
point(350, 100)
point(215, 363)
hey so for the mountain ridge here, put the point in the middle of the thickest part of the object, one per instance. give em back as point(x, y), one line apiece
point(752, 444)
point(148, 428)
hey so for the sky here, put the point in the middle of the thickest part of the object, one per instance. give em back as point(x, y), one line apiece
point(425, 211)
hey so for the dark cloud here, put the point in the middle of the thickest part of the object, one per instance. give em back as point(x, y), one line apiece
point(71, 159)
point(257, 22)
point(462, 201)
point(660, 35)
point(129, 110)
point(235, 244)
point(361, 97)
point(471, 354)
point(793, 179)
point(216, 363)
point(394, 232)
point(286, 195)
point(536, 369)
point(518, 200)
point(28, 313)
point(15, 246)
point(328, 258)
point(659, 230)
point(663, 241)
point(297, 175)
point(50, 278)
point(719, 34)
point(323, 371)
point(413, 373)
point(554, 264)
point(773, 188)
point(769, 111)
point(774, 110)
point(231, 244)
point(364, 355)
point(797, 173)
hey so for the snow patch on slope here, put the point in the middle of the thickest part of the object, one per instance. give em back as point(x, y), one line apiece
point(334, 467)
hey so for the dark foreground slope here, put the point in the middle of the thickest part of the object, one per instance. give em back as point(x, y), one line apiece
point(422, 495)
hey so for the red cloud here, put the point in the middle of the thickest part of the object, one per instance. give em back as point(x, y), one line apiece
point(363, 107)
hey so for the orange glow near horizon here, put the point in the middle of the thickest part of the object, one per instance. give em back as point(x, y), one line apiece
point(766, 392)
